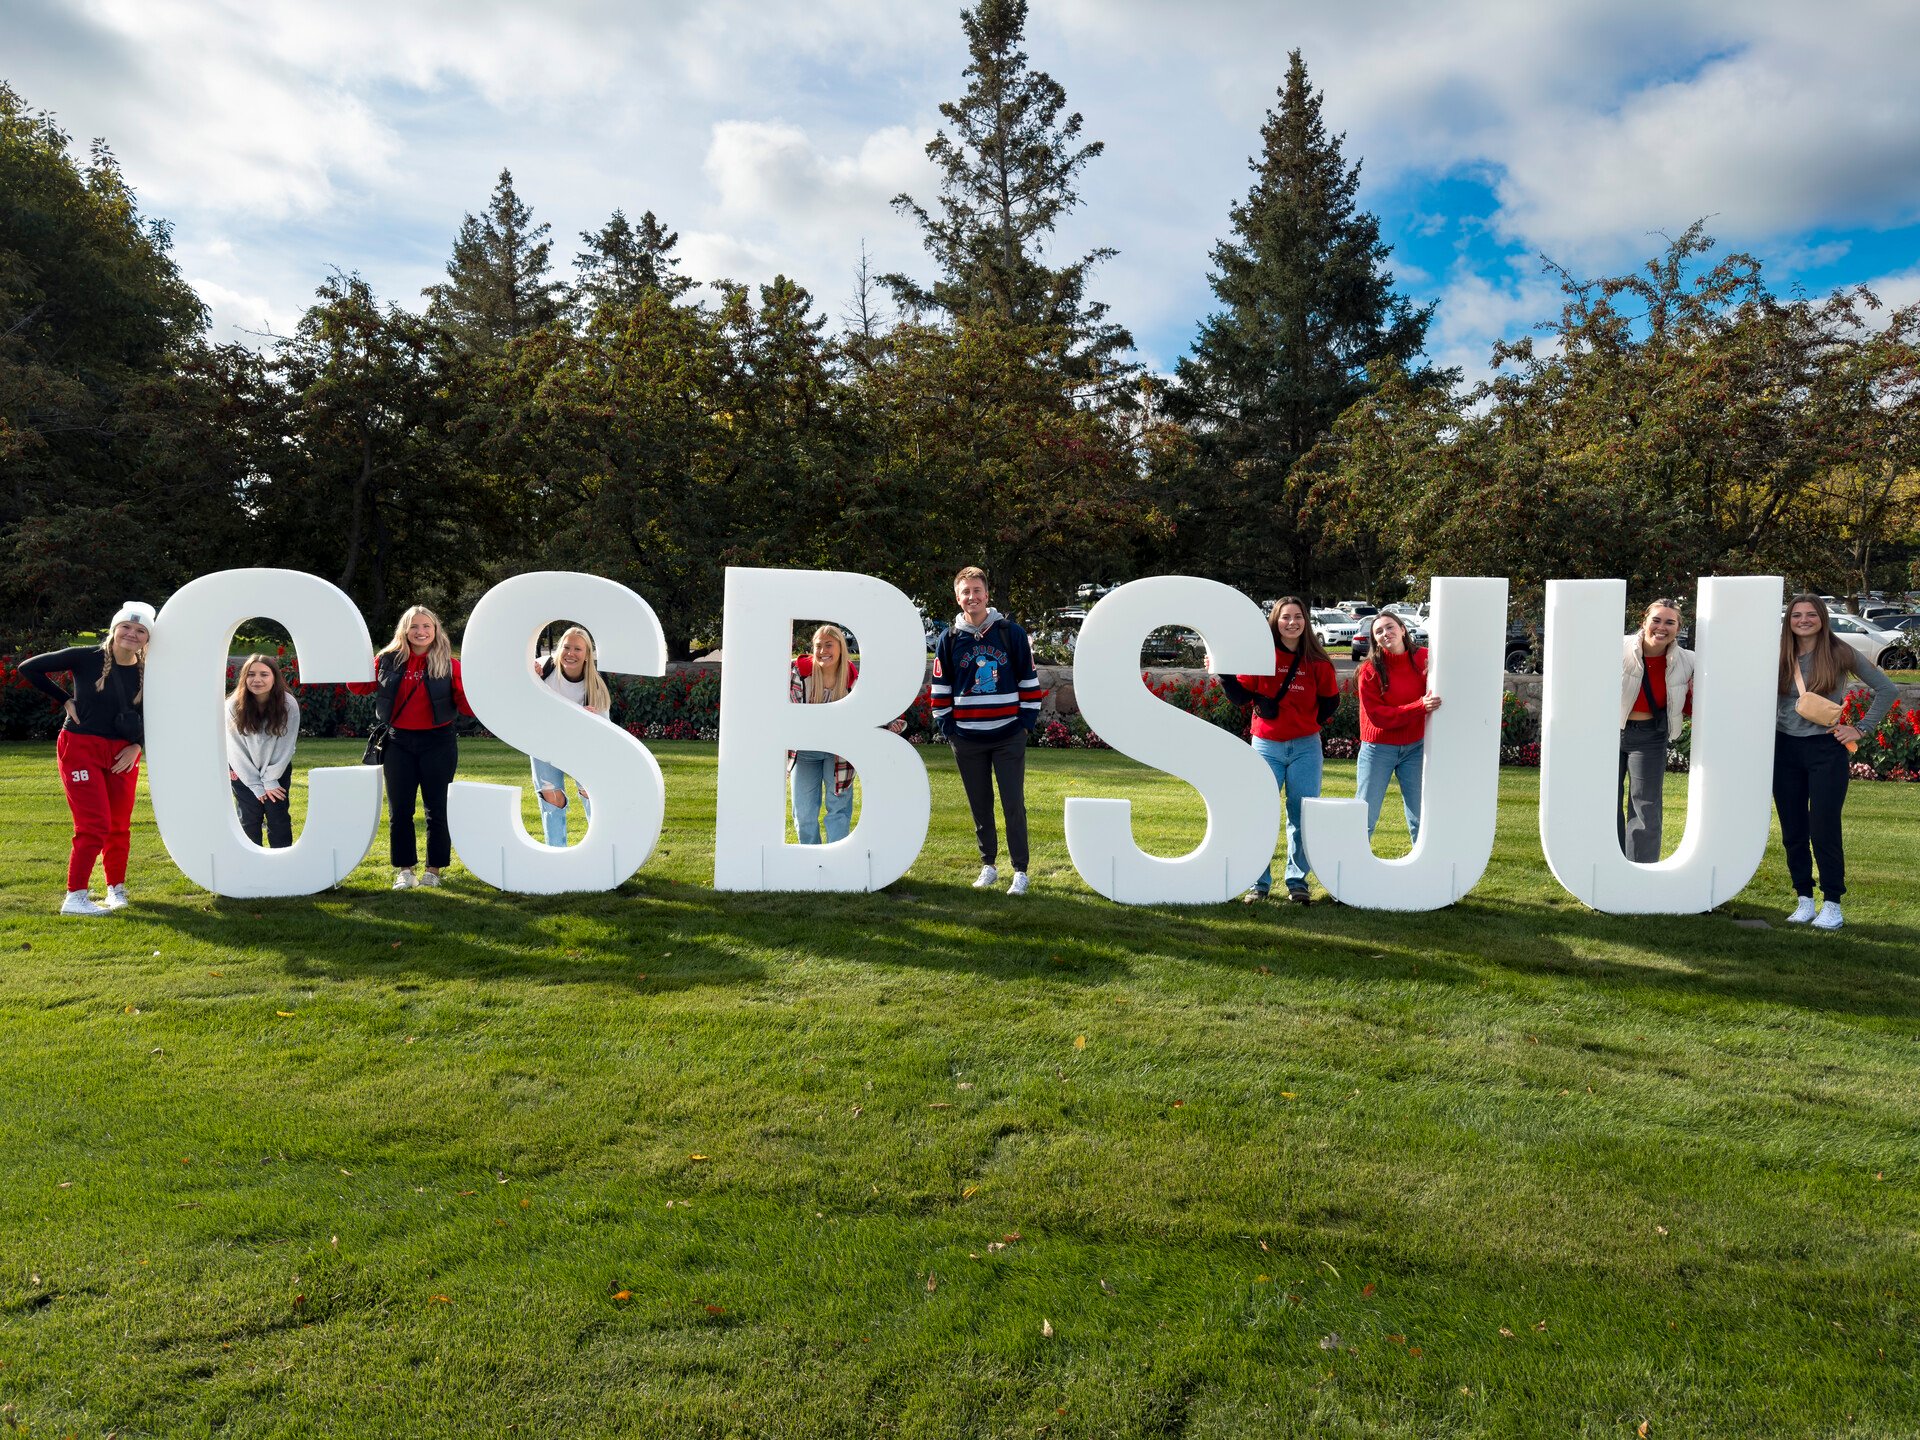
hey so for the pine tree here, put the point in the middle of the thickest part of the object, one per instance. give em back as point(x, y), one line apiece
point(1309, 307)
point(623, 261)
point(497, 287)
point(1007, 178)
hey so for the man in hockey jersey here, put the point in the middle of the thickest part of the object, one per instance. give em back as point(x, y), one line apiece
point(986, 701)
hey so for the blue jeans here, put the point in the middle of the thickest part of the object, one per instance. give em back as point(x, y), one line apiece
point(553, 818)
point(1380, 763)
point(1296, 770)
point(813, 773)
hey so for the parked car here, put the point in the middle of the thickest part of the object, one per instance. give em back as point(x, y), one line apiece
point(1358, 609)
point(1903, 622)
point(1889, 649)
point(1334, 627)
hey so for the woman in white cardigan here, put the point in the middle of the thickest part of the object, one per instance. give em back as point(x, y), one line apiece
point(1655, 675)
point(263, 723)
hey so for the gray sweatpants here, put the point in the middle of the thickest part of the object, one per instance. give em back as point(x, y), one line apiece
point(1643, 770)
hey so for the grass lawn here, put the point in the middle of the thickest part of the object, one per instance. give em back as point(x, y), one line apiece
point(933, 1162)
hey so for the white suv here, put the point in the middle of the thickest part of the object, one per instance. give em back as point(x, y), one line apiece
point(1334, 627)
point(1889, 649)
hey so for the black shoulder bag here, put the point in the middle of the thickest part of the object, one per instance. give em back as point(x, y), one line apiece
point(378, 735)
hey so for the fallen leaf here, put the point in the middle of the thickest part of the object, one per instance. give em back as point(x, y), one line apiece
point(395, 945)
point(1330, 1342)
point(939, 1105)
point(1263, 1279)
point(347, 1173)
point(1108, 1288)
point(858, 1111)
point(334, 1241)
point(132, 1009)
point(298, 1301)
point(407, 1041)
point(1366, 1290)
point(969, 1192)
point(463, 1192)
point(284, 1014)
point(964, 1085)
point(1079, 1042)
point(216, 974)
point(1659, 1229)
point(933, 1282)
point(1289, 1095)
point(1505, 1333)
point(1415, 1350)
point(1879, 1174)
point(696, 1157)
point(1398, 1339)
point(524, 1203)
point(66, 1184)
point(1539, 1324)
point(993, 1245)
point(1466, 1390)
point(715, 1310)
point(1046, 1327)
point(1642, 1431)
point(1179, 1104)
point(1011, 1236)
point(442, 1300)
point(1263, 1245)
point(1266, 970)
point(623, 1294)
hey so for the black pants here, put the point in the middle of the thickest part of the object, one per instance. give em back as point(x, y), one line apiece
point(1643, 773)
point(253, 809)
point(981, 766)
point(1809, 789)
point(419, 762)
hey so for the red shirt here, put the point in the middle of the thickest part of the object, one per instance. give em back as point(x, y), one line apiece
point(1299, 707)
point(415, 710)
point(1398, 717)
point(1657, 683)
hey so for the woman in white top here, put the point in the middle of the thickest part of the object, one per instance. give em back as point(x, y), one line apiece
point(1655, 675)
point(263, 724)
point(571, 671)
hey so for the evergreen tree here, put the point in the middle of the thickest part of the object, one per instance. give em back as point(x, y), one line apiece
point(623, 260)
point(1007, 177)
point(497, 287)
point(1309, 308)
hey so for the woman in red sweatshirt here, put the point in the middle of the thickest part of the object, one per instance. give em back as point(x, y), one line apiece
point(419, 693)
point(1289, 707)
point(1394, 705)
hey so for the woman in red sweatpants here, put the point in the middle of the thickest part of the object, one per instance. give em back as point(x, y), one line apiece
point(99, 750)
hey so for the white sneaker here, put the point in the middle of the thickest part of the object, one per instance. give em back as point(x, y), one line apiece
point(116, 898)
point(989, 874)
point(1829, 917)
point(1803, 912)
point(430, 877)
point(1019, 885)
point(79, 902)
point(404, 880)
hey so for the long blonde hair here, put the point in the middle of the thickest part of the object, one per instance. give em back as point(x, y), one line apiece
point(107, 669)
point(269, 714)
point(598, 698)
point(818, 689)
point(1832, 656)
point(439, 654)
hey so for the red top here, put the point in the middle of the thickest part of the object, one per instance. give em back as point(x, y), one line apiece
point(415, 710)
point(1657, 684)
point(805, 666)
point(1398, 717)
point(1299, 707)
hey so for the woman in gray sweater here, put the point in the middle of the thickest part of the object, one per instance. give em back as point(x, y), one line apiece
point(263, 723)
point(1812, 751)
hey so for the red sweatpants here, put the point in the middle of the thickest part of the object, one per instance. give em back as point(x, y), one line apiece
point(102, 805)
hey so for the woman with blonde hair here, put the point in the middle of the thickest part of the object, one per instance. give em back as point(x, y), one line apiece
point(99, 749)
point(1656, 673)
point(571, 671)
point(419, 695)
point(1812, 750)
point(825, 674)
point(263, 725)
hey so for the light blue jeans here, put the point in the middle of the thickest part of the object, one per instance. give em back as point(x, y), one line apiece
point(553, 818)
point(1380, 763)
point(1296, 770)
point(812, 774)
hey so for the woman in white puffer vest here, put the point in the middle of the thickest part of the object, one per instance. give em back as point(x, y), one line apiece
point(1655, 677)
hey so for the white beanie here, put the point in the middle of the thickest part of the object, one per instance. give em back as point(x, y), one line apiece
point(137, 611)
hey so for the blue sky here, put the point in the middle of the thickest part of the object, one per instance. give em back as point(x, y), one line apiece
point(285, 140)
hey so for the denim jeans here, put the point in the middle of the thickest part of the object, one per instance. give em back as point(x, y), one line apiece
point(1296, 770)
point(813, 773)
point(1380, 763)
point(553, 818)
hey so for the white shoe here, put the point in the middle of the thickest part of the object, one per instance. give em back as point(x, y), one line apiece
point(116, 898)
point(404, 880)
point(1019, 885)
point(430, 877)
point(989, 875)
point(79, 902)
point(1803, 912)
point(1829, 917)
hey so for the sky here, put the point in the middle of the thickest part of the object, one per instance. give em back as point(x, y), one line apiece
point(285, 141)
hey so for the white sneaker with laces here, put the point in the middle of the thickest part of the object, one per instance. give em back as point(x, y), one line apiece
point(116, 898)
point(1803, 912)
point(430, 877)
point(1019, 885)
point(989, 874)
point(79, 902)
point(404, 880)
point(1829, 916)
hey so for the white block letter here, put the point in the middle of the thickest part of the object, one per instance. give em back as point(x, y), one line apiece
point(1737, 635)
point(629, 797)
point(1461, 798)
point(186, 734)
point(759, 724)
point(1243, 804)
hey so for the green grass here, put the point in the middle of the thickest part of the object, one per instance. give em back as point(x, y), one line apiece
point(1675, 1158)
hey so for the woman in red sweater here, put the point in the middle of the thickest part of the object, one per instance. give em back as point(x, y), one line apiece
point(1394, 705)
point(1289, 707)
point(419, 693)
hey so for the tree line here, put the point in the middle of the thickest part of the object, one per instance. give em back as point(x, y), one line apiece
point(1673, 422)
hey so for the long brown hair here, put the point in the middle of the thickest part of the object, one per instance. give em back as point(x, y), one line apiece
point(1832, 656)
point(250, 717)
point(1310, 647)
point(1377, 653)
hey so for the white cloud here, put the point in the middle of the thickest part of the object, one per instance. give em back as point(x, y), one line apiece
point(238, 319)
